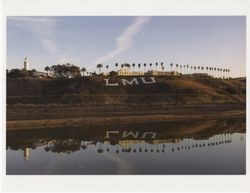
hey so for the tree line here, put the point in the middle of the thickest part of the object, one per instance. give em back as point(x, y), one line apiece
point(181, 69)
point(72, 71)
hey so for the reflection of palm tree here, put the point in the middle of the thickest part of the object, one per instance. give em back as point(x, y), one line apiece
point(151, 148)
point(117, 150)
point(178, 148)
point(146, 150)
point(107, 147)
point(188, 144)
point(100, 150)
point(140, 150)
point(134, 148)
point(83, 145)
point(172, 145)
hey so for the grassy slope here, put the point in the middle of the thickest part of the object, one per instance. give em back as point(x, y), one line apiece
point(176, 90)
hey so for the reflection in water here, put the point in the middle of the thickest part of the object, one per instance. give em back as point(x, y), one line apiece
point(135, 146)
point(128, 146)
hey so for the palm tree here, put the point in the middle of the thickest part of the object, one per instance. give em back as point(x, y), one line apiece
point(139, 66)
point(150, 65)
point(107, 66)
point(171, 65)
point(181, 68)
point(99, 66)
point(122, 65)
point(83, 71)
point(198, 69)
point(156, 64)
point(47, 69)
point(191, 69)
point(195, 69)
point(202, 69)
point(207, 70)
point(176, 68)
point(116, 65)
point(224, 73)
point(187, 68)
point(133, 66)
point(184, 69)
point(162, 67)
point(144, 66)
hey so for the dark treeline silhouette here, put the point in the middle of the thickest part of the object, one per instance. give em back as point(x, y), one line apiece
point(72, 71)
point(18, 73)
point(65, 70)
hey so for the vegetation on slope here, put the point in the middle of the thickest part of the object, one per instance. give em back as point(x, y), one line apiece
point(92, 90)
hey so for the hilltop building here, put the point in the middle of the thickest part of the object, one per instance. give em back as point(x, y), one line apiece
point(126, 72)
point(162, 73)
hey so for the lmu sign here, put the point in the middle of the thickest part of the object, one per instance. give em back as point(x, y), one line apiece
point(133, 81)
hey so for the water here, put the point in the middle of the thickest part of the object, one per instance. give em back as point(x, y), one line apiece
point(182, 147)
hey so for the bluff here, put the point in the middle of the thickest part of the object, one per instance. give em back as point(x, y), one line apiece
point(95, 90)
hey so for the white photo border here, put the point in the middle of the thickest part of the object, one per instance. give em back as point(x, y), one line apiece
point(117, 183)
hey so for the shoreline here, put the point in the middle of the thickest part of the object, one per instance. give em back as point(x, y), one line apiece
point(15, 125)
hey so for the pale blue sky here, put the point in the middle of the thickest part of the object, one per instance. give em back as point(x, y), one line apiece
point(217, 41)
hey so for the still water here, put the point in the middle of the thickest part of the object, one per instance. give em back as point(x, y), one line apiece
point(180, 147)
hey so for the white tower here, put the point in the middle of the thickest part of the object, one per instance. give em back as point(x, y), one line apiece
point(26, 64)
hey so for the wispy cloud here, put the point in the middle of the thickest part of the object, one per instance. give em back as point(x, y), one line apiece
point(41, 27)
point(126, 39)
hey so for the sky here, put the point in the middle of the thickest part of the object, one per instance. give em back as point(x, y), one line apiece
point(216, 41)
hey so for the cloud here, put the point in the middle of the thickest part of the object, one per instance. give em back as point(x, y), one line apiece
point(126, 39)
point(41, 27)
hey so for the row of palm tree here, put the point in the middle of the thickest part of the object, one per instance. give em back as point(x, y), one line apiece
point(179, 69)
point(184, 144)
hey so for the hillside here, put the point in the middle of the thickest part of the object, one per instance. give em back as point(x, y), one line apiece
point(94, 90)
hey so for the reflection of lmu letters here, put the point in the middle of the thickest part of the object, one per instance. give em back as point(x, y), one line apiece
point(131, 134)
